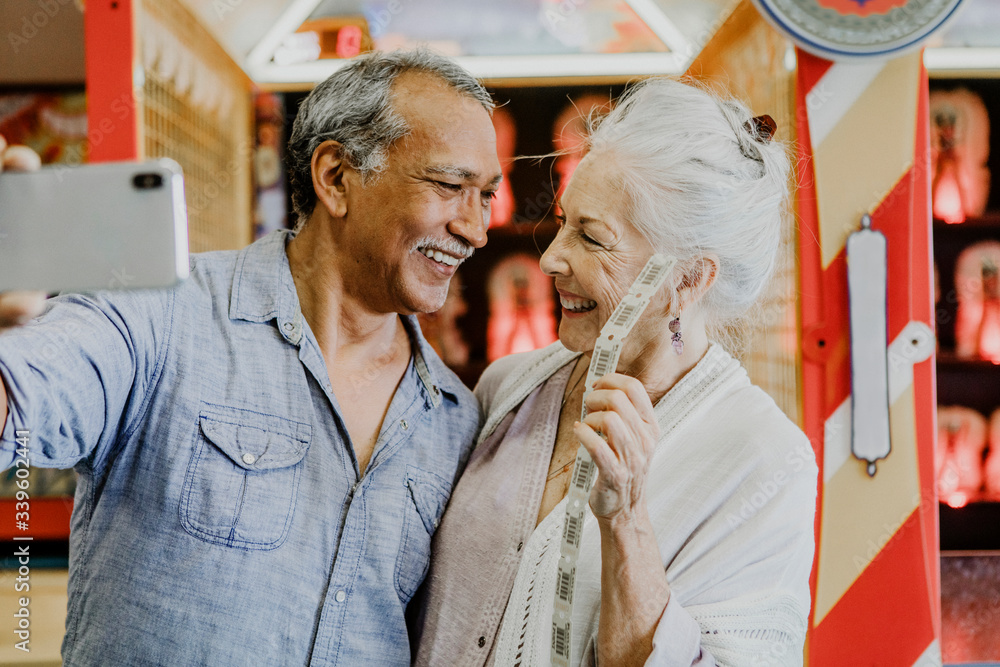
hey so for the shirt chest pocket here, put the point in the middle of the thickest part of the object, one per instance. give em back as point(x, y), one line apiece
point(426, 497)
point(242, 482)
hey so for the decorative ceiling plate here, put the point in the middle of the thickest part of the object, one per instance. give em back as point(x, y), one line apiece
point(845, 29)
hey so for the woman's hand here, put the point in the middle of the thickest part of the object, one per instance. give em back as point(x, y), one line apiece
point(18, 307)
point(619, 409)
point(634, 588)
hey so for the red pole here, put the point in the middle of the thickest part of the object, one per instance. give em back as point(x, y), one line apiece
point(112, 114)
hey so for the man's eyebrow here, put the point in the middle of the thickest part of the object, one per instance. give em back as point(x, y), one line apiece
point(459, 172)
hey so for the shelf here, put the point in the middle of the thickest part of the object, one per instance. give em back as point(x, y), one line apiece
point(949, 242)
point(975, 526)
point(989, 220)
point(972, 383)
point(948, 360)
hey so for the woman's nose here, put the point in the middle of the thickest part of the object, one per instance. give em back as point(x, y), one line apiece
point(553, 262)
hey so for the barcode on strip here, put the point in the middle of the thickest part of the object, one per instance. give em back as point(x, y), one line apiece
point(625, 311)
point(581, 478)
point(651, 276)
point(571, 534)
point(655, 269)
point(565, 587)
point(560, 640)
point(604, 361)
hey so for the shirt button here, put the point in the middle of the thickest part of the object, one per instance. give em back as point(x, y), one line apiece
point(403, 424)
point(340, 596)
point(289, 326)
point(482, 642)
point(249, 459)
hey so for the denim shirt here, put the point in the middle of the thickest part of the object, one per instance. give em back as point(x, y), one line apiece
point(219, 516)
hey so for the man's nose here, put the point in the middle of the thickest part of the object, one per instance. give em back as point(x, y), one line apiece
point(471, 220)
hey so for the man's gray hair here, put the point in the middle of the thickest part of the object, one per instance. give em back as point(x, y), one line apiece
point(353, 106)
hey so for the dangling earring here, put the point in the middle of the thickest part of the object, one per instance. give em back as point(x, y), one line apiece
point(675, 340)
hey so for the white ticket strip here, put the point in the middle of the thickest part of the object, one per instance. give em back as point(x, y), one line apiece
point(604, 360)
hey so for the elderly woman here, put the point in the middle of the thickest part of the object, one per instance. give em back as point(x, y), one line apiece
point(700, 542)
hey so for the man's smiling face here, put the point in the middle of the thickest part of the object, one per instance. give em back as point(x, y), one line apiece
point(410, 227)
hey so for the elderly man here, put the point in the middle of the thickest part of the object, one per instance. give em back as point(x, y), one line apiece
point(265, 451)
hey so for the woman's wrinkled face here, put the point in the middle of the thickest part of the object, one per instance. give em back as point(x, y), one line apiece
point(596, 256)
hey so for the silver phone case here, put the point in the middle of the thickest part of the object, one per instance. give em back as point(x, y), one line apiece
point(90, 227)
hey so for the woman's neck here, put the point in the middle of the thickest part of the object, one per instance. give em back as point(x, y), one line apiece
point(652, 360)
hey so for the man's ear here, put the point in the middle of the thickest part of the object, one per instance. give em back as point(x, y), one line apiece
point(328, 176)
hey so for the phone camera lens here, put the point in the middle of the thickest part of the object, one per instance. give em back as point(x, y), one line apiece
point(147, 181)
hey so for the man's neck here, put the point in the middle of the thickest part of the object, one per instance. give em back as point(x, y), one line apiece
point(341, 322)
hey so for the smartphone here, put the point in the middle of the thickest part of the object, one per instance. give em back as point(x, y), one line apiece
point(111, 225)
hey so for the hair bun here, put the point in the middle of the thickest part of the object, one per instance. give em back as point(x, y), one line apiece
point(761, 127)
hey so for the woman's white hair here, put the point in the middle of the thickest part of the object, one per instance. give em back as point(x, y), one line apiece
point(699, 180)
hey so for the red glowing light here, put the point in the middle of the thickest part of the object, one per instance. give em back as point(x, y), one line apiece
point(958, 500)
point(948, 200)
point(349, 41)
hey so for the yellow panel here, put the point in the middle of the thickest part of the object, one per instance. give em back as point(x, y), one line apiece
point(861, 514)
point(746, 58)
point(215, 151)
point(866, 153)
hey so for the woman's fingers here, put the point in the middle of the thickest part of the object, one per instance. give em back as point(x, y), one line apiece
point(612, 492)
point(596, 446)
point(633, 391)
point(620, 433)
point(615, 402)
point(610, 425)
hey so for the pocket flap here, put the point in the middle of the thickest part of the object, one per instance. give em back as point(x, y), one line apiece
point(430, 495)
point(254, 441)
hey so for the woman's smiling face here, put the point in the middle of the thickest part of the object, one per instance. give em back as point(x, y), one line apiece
point(596, 256)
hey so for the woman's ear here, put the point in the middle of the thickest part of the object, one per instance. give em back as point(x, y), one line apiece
point(329, 170)
point(697, 280)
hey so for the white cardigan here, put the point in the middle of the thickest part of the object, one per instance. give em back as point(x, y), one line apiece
point(732, 496)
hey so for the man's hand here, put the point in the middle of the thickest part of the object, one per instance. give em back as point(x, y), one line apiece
point(16, 308)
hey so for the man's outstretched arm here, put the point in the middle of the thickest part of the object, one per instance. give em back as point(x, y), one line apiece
point(16, 308)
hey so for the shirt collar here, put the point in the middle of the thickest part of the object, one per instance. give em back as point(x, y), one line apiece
point(437, 378)
point(263, 290)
